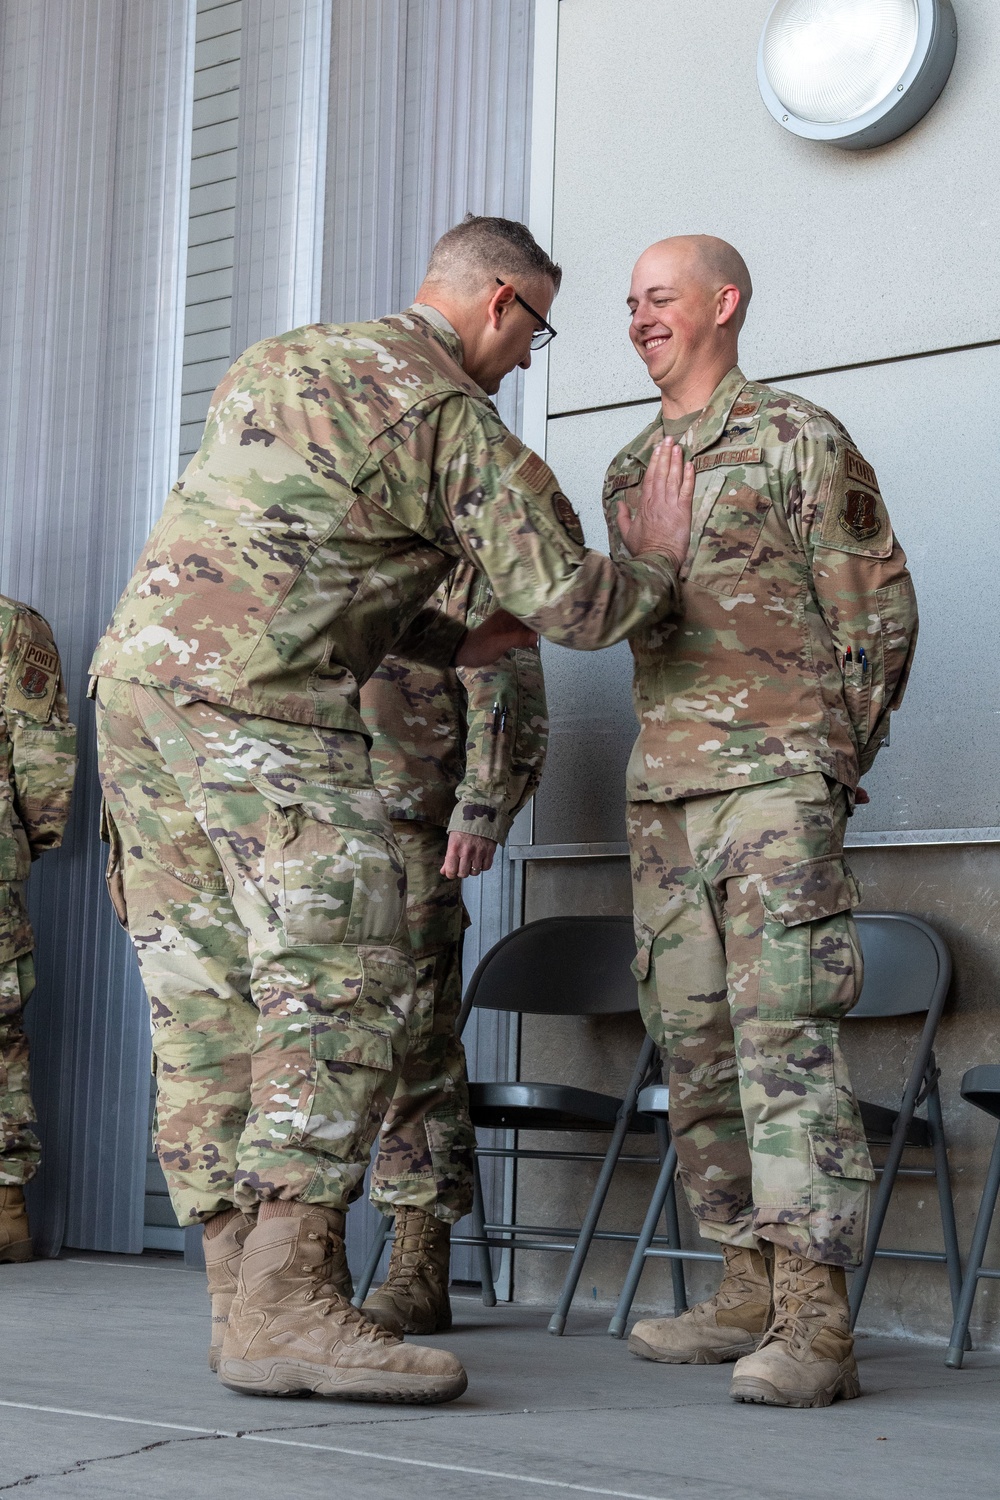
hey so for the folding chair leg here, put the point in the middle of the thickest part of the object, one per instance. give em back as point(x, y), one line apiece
point(881, 1205)
point(673, 1227)
point(371, 1264)
point(674, 1239)
point(557, 1322)
point(945, 1199)
point(661, 1193)
point(987, 1208)
point(479, 1231)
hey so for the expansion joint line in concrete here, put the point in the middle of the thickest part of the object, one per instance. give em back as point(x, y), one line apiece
point(262, 1435)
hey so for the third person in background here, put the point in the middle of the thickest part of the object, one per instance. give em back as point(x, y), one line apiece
point(456, 752)
point(762, 700)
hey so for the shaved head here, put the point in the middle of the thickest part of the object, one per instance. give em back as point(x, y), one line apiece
point(688, 300)
point(711, 261)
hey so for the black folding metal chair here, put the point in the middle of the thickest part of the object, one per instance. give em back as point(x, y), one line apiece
point(559, 966)
point(907, 972)
point(981, 1087)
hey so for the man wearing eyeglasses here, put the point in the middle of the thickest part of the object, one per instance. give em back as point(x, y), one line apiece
point(344, 471)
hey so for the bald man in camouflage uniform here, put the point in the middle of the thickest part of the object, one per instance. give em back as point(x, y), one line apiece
point(761, 702)
point(343, 472)
point(455, 755)
point(39, 762)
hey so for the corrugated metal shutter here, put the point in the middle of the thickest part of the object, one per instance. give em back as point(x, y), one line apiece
point(208, 340)
point(95, 105)
point(208, 349)
point(429, 120)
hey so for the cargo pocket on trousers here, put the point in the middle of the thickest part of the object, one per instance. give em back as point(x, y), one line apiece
point(353, 1056)
point(332, 869)
point(809, 890)
point(114, 874)
point(810, 961)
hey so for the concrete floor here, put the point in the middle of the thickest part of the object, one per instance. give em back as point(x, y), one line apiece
point(104, 1392)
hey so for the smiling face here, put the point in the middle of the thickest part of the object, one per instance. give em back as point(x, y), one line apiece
point(673, 311)
point(685, 315)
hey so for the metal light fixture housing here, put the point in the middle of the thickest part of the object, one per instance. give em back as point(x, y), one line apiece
point(856, 73)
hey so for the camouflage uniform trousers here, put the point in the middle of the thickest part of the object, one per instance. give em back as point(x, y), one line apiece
point(425, 1146)
point(747, 958)
point(265, 897)
point(19, 1147)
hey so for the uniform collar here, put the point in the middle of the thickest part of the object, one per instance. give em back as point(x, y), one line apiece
point(708, 428)
point(443, 330)
point(711, 424)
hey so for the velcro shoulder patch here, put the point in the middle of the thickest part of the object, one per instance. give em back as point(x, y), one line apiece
point(33, 682)
point(730, 458)
point(856, 519)
point(567, 518)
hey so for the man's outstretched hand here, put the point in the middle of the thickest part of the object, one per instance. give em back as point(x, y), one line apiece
point(468, 854)
point(662, 522)
point(498, 633)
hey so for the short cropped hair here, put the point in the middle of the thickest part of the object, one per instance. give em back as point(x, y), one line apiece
point(472, 254)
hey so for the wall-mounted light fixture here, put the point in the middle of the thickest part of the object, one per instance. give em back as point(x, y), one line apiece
point(854, 72)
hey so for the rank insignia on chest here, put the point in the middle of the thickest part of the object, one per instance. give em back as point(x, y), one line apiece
point(34, 682)
point(567, 518)
point(744, 409)
point(859, 515)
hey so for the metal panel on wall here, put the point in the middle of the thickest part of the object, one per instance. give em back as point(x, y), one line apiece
point(95, 120)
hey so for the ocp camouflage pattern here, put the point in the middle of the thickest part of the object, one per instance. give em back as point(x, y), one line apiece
point(797, 620)
point(424, 1157)
point(343, 472)
point(264, 893)
point(461, 748)
point(748, 957)
point(37, 769)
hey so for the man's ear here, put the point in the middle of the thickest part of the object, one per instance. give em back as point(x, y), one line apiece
point(729, 298)
point(499, 305)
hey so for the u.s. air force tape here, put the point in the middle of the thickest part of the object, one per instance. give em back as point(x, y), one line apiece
point(732, 458)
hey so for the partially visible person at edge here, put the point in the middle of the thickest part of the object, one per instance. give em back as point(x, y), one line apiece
point(38, 746)
point(761, 699)
point(343, 472)
point(455, 753)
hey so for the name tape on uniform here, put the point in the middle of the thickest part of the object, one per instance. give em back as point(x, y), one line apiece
point(732, 458)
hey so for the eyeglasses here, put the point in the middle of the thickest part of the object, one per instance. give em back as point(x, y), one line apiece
point(541, 336)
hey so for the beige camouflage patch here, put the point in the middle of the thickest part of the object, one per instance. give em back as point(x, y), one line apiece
point(34, 682)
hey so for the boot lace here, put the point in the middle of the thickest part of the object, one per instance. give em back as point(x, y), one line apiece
point(795, 1313)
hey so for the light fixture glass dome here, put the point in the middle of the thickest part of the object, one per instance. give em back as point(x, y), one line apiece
point(830, 61)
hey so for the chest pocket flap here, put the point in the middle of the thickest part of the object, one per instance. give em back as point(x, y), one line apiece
point(729, 517)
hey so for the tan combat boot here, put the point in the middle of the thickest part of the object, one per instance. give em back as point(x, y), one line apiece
point(223, 1251)
point(15, 1239)
point(722, 1328)
point(413, 1298)
point(806, 1357)
point(290, 1332)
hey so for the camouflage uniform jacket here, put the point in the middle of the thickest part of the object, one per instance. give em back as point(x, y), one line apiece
point(458, 748)
point(797, 619)
point(38, 749)
point(343, 472)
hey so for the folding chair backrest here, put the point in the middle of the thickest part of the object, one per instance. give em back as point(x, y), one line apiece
point(907, 966)
point(559, 966)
